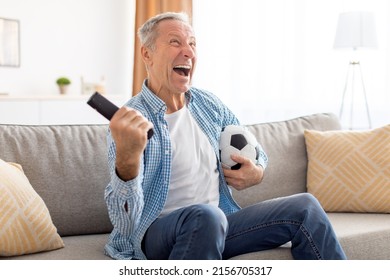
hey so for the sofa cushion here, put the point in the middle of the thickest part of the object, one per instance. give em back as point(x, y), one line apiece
point(67, 165)
point(284, 144)
point(25, 223)
point(78, 247)
point(280, 253)
point(363, 236)
point(349, 171)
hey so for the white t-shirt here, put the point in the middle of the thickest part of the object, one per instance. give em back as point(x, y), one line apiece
point(194, 175)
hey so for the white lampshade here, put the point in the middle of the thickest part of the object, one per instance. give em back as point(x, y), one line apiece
point(356, 30)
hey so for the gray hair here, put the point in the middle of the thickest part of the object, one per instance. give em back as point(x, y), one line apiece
point(147, 33)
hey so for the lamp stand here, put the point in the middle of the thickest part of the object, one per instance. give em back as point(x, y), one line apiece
point(353, 67)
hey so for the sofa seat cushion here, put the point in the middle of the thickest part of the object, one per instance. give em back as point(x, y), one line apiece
point(280, 253)
point(81, 247)
point(363, 235)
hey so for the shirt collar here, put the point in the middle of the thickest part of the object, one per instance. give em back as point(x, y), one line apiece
point(155, 103)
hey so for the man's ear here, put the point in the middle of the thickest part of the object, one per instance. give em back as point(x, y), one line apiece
point(146, 55)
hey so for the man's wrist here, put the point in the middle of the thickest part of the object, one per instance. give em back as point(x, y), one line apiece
point(126, 172)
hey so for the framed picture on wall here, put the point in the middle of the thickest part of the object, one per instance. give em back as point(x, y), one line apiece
point(9, 42)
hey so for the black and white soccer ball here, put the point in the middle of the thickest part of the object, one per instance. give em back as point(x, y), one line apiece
point(237, 139)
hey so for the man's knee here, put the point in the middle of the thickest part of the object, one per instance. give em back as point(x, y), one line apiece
point(307, 199)
point(208, 217)
point(308, 205)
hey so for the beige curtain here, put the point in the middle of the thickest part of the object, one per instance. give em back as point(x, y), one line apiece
point(146, 9)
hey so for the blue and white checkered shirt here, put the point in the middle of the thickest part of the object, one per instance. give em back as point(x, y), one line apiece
point(146, 194)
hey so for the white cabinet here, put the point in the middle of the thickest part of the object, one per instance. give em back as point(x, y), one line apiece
point(52, 110)
point(19, 112)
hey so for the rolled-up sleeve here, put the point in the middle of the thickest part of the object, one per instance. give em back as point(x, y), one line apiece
point(263, 158)
point(124, 200)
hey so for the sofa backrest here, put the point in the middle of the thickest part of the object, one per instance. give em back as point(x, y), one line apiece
point(284, 144)
point(67, 166)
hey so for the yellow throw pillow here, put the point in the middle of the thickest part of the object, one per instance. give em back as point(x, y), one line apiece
point(25, 223)
point(349, 171)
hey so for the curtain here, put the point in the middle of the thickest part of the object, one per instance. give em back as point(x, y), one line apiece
point(146, 9)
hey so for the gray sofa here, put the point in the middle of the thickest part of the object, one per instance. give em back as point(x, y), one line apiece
point(67, 167)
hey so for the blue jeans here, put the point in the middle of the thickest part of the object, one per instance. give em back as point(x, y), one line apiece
point(204, 232)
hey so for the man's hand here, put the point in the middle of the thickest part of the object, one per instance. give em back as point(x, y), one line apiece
point(129, 131)
point(248, 175)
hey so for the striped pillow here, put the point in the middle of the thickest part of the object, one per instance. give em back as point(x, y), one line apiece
point(25, 222)
point(349, 171)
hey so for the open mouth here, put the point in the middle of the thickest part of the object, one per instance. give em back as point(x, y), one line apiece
point(182, 70)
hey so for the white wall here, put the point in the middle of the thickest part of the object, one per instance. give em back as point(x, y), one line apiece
point(73, 38)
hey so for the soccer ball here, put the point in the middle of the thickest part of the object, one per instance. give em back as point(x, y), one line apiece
point(237, 139)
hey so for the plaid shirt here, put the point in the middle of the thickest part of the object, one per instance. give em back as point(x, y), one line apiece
point(146, 194)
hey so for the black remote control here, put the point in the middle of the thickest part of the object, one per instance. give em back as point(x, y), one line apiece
point(107, 108)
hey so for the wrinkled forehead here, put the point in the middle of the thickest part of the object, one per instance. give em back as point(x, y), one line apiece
point(173, 26)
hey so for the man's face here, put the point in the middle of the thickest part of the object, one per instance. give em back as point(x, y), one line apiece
point(172, 62)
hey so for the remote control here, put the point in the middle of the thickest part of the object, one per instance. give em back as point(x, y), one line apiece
point(107, 108)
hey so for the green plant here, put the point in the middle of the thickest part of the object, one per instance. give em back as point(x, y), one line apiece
point(63, 81)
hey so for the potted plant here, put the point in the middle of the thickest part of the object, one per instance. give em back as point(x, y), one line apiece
point(63, 84)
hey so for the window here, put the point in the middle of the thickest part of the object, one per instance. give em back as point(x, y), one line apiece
point(9, 42)
point(269, 60)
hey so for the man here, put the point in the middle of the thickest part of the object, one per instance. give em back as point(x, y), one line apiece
point(168, 197)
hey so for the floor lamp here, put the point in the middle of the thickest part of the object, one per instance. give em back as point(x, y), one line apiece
point(355, 30)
